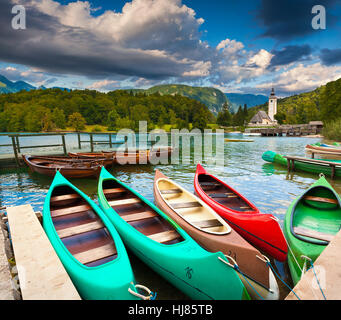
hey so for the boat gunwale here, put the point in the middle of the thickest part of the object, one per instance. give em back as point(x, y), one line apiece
point(224, 223)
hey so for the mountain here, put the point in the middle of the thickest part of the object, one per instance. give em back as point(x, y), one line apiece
point(213, 98)
point(7, 86)
point(239, 99)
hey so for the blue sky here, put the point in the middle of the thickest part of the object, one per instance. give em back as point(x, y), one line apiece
point(235, 46)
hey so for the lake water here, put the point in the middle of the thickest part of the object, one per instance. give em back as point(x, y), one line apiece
point(268, 186)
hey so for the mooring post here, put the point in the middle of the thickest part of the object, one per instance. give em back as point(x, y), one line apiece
point(126, 142)
point(15, 151)
point(64, 144)
point(110, 141)
point(91, 143)
point(79, 141)
point(17, 142)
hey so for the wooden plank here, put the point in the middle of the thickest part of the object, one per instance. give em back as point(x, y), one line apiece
point(124, 202)
point(164, 236)
point(65, 197)
point(70, 210)
point(223, 195)
point(139, 216)
point(186, 205)
point(327, 268)
point(313, 234)
point(113, 191)
point(208, 223)
point(41, 273)
point(86, 227)
point(96, 254)
point(171, 191)
point(320, 199)
point(313, 161)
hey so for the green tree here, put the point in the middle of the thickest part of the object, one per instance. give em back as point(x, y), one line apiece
point(112, 120)
point(58, 117)
point(76, 121)
point(280, 117)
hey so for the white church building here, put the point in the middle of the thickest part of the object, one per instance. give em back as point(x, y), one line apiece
point(266, 119)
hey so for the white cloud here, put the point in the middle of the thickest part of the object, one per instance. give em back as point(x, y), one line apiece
point(105, 85)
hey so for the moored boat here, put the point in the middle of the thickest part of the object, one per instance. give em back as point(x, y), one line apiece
point(261, 230)
point(71, 169)
point(326, 166)
point(212, 232)
point(165, 247)
point(87, 244)
point(238, 140)
point(311, 222)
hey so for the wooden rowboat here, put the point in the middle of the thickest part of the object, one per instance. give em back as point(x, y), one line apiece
point(238, 140)
point(165, 247)
point(68, 169)
point(87, 244)
point(311, 222)
point(261, 230)
point(206, 227)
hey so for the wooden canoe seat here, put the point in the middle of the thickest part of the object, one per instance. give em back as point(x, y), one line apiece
point(164, 236)
point(139, 216)
point(70, 210)
point(320, 199)
point(313, 234)
point(69, 232)
point(171, 191)
point(209, 185)
point(186, 205)
point(113, 191)
point(96, 254)
point(208, 224)
point(57, 199)
point(223, 195)
point(124, 202)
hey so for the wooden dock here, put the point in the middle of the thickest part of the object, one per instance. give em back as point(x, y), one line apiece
point(328, 270)
point(41, 273)
point(297, 130)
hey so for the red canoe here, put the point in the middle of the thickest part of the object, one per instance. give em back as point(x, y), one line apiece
point(262, 230)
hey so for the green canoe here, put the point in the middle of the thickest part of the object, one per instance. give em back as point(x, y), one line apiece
point(305, 164)
point(310, 223)
point(165, 247)
point(87, 244)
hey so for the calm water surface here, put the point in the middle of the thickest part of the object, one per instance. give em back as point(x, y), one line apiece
point(268, 186)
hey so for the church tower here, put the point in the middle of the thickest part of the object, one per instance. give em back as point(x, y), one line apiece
point(272, 105)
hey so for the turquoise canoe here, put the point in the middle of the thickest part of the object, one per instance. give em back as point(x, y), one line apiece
point(87, 244)
point(311, 222)
point(165, 247)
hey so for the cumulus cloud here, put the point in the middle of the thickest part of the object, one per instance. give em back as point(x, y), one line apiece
point(330, 56)
point(289, 54)
point(105, 85)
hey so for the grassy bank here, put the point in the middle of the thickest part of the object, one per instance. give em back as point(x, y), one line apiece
point(332, 130)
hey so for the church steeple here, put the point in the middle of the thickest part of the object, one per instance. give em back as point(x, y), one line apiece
point(272, 105)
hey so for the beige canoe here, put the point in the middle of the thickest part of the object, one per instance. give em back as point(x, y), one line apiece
point(212, 232)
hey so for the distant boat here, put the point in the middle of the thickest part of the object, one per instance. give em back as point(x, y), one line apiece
point(252, 134)
point(74, 169)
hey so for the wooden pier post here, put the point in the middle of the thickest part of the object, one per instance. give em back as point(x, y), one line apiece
point(15, 151)
point(17, 142)
point(110, 141)
point(64, 144)
point(79, 141)
point(91, 142)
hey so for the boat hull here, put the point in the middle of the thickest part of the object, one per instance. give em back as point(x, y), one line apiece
point(184, 264)
point(231, 244)
point(261, 230)
point(302, 214)
point(108, 281)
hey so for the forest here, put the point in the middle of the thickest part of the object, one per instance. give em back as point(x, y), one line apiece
point(53, 109)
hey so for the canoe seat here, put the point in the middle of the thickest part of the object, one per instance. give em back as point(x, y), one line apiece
point(186, 205)
point(208, 224)
point(139, 216)
point(69, 232)
point(70, 210)
point(313, 234)
point(55, 200)
point(223, 195)
point(171, 191)
point(113, 191)
point(96, 253)
point(209, 185)
point(124, 202)
point(164, 236)
point(320, 199)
